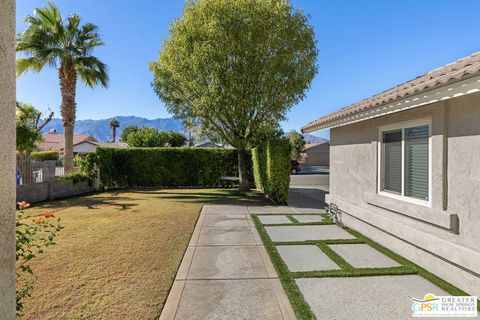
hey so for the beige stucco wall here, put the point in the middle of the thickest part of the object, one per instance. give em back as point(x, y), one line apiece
point(84, 147)
point(431, 233)
point(316, 156)
point(7, 153)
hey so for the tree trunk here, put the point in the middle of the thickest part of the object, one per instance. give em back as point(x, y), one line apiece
point(68, 156)
point(114, 134)
point(242, 171)
point(68, 83)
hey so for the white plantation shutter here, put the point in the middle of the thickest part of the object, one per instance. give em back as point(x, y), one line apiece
point(416, 162)
point(392, 161)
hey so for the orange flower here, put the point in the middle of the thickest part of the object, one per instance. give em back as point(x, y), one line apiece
point(23, 205)
point(39, 220)
point(48, 214)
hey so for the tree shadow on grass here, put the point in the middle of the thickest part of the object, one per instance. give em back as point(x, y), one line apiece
point(125, 199)
point(201, 195)
point(91, 201)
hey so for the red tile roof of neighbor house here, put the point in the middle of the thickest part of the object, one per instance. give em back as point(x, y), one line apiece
point(459, 70)
point(53, 141)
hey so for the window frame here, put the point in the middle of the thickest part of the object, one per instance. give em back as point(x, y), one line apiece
point(380, 161)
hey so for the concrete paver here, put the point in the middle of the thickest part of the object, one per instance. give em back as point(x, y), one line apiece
point(225, 220)
point(302, 233)
point(381, 297)
point(225, 209)
point(228, 299)
point(307, 218)
point(226, 236)
point(305, 258)
point(363, 256)
point(273, 219)
point(229, 262)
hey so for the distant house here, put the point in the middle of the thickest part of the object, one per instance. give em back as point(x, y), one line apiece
point(208, 145)
point(405, 169)
point(315, 154)
point(53, 141)
point(115, 145)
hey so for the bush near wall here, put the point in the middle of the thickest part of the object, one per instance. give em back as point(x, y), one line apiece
point(44, 155)
point(271, 167)
point(166, 167)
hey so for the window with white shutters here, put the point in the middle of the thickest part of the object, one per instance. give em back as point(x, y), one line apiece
point(405, 162)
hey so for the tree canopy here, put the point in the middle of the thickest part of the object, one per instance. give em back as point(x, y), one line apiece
point(236, 67)
point(151, 137)
point(126, 131)
point(297, 142)
point(29, 126)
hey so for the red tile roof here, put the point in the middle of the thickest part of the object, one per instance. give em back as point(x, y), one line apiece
point(459, 70)
point(56, 141)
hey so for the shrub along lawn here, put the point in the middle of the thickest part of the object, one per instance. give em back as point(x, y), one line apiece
point(119, 252)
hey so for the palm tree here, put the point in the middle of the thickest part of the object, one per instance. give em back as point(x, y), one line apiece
point(114, 124)
point(67, 46)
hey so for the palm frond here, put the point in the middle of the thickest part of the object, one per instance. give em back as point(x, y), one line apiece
point(51, 40)
point(29, 64)
point(92, 71)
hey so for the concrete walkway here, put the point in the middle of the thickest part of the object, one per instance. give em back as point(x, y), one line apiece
point(226, 272)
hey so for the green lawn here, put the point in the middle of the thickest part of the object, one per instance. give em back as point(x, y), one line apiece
point(118, 253)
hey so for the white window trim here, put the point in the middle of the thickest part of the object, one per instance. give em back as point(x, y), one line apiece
point(402, 126)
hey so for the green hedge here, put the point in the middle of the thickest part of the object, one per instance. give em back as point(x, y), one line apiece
point(44, 155)
point(166, 167)
point(271, 167)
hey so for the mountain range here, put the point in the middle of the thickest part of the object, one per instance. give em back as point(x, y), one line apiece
point(100, 129)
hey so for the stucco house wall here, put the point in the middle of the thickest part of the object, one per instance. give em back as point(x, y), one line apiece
point(84, 147)
point(318, 155)
point(7, 160)
point(444, 239)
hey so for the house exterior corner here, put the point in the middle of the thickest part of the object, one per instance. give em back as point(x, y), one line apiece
point(441, 231)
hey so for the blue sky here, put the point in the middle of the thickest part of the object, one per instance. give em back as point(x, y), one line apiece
point(364, 47)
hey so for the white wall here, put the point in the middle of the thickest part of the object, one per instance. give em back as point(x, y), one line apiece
point(84, 147)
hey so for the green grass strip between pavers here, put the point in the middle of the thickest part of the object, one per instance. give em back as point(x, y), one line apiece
point(292, 219)
point(316, 242)
point(439, 282)
point(300, 306)
point(295, 296)
point(360, 272)
point(335, 257)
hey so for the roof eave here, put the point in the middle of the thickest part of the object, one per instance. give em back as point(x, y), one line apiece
point(444, 92)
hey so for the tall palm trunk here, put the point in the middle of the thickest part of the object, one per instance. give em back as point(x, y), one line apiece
point(242, 171)
point(68, 83)
point(114, 134)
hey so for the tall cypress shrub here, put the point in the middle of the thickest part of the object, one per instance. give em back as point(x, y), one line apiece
point(271, 169)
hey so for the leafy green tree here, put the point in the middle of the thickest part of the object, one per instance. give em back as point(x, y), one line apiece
point(114, 125)
point(146, 138)
point(66, 45)
point(297, 142)
point(236, 66)
point(29, 127)
point(126, 131)
point(151, 137)
point(176, 139)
